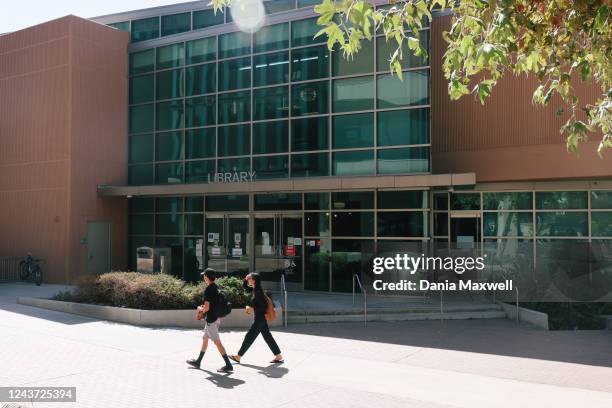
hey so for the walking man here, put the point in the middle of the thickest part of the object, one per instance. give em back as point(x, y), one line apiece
point(212, 321)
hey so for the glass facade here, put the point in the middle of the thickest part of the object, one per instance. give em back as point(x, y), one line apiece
point(276, 102)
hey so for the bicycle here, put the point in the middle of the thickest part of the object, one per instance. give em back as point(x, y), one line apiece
point(29, 268)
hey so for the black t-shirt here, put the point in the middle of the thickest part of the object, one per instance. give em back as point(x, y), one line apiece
point(211, 295)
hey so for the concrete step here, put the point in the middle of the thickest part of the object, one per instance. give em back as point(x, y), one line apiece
point(411, 309)
point(492, 312)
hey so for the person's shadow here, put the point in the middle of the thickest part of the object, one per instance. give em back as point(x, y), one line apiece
point(271, 371)
point(221, 380)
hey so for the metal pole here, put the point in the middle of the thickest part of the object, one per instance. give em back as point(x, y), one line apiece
point(354, 276)
point(441, 305)
point(517, 306)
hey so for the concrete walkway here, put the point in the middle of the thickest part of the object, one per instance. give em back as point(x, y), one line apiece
point(476, 363)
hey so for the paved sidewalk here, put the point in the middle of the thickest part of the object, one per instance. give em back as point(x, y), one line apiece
point(477, 363)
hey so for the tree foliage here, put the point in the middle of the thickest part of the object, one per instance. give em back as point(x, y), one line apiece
point(560, 42)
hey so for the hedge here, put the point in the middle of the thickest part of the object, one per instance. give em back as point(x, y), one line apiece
point(149, 292)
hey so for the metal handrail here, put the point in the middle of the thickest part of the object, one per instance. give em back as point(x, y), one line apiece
point(284, 293)
point(365, 298)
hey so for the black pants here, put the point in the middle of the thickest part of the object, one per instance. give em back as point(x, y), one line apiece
point(259, 326)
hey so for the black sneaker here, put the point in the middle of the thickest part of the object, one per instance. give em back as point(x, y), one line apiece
point(194, 363)
point(226, 369)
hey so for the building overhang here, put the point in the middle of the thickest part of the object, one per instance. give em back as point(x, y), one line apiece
point(421, 181)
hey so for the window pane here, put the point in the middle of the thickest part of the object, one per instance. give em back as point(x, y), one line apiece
point(145, 29)
point(142, 61)
point(169, 146)
point(440, 224)
point(200, 143)
point(271, 69)
point(353, 224)
point(278, 201)
point(271, 167)
point(170, 56)
point(122, 26)
point(441, 201)
point(310, 165)
point(303, 31)
point(349, 257)
point(206, 18)
point(140, 175)
point(194, 204)
point(169, 173)
point(361, 63)
point(227, 203)
point(353, 200)
point(562, 224)
point(403, 127)
point(316, 201)
point(271, 103)
point(234, 140)
point(353, 94)
point(175, 23)
point(201, 79)
point(276, 6)
point(170, 115)
point(309, 134)
point(316, 224)
point(170, 84)
point(601, 199)
point(194, 224)
point(234, 165)
point(507, 201)
point(601, 224)
point(202, 50)
point(270, 137)
point(169, 224)
point(413, 90)
point(198, 171)
point(353, 131)
point(310, 98)
point(397, 161)
point(200, 111)
point(141, 148)
point(508, 224)
point(401, 224)
point(141, 224)
point(402, 199)
point(234, 44)
point(235, 107)
point(385, 49)
point(170, 204)
point(353, 163)
point(141, 118)
point(269, 38)
point(306, 3)
point(235, 74)
point(552, 200)
point(141, 88)
point(141, 205)
point(309, 63)
point(466, 201)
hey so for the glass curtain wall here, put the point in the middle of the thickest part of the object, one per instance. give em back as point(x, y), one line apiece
point(276, 102)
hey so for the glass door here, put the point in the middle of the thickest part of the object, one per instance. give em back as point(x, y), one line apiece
point(228, 243)
point(292, 247)
point(266, 247)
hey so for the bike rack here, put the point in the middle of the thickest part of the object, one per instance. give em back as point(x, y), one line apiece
point(365, 299)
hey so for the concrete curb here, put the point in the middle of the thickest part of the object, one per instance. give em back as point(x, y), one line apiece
point(137, 317)
point(535, 318)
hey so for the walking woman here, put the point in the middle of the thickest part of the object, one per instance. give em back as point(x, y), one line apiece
point(257, 305)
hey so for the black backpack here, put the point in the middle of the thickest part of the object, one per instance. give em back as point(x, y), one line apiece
point(224, 306)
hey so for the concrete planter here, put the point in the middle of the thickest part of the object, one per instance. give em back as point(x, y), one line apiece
point(137, 317)
point(533, 317)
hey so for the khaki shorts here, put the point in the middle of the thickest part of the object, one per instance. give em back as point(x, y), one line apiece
point(211, 330)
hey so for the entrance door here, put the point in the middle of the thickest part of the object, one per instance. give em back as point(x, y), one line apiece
point(278, 248)
point(227, 244)
point(465, 230)
point(98, 247)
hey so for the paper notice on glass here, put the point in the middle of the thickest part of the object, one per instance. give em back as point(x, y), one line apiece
point(297, 241)
point(236, 252)
point(237, 238)
point(290, 241)
point(199, 247)
point(211, 236)
point(266, 250)
point(215, 251)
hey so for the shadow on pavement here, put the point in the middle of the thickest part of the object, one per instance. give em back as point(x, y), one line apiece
point(495, 336)
point(271, 371)
point(223, 380)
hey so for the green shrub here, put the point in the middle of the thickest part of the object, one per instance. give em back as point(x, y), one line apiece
point(151, 292)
